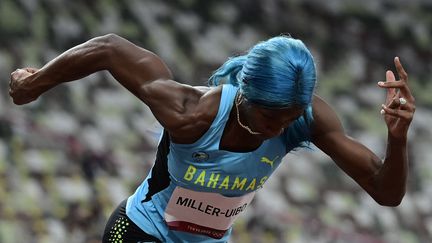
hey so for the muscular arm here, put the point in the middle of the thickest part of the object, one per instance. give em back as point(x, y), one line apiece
point(140, 71)
point(384, 180)
point(131, 65)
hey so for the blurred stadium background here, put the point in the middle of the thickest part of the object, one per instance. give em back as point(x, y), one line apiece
point(69, 158)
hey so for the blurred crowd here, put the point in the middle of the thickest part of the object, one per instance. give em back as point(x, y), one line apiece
point(68, 159)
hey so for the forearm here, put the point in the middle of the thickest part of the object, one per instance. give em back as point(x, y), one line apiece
point(392, 176)
point(76, 63)
point(132, 66)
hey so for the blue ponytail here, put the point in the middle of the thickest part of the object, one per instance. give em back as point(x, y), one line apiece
point(229, 70)
point(298, 134)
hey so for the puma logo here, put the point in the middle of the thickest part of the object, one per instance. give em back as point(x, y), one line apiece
point(268, 161)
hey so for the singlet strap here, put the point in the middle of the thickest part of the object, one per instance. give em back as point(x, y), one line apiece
point(214, 133)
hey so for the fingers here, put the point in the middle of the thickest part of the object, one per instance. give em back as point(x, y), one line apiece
point(392, 84)
point(15, 74)
point(20, 74)
point(401, 84)
point(17, 86)
point(400, 70)
point(23, 72)
point(394, 103)
point(390, 77)
point(399, 113)
point(31, 70)
point(400, 103)
point(399, 107)
point(391, 92)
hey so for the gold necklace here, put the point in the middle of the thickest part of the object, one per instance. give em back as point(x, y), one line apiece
point(237, 103)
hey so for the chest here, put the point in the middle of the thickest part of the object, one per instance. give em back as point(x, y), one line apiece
point(228, 173)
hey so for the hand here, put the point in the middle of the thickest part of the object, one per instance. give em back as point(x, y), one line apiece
point(399, 106)
point(19, 86)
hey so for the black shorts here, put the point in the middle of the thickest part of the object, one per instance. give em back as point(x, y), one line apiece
point(120, 228)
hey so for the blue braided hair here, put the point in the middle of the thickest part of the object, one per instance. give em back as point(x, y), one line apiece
point(277, 73)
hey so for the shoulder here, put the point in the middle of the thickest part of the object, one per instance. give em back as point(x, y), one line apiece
point(325, 118)
point(200, 107)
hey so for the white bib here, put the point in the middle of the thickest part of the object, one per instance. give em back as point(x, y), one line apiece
point(204, 213)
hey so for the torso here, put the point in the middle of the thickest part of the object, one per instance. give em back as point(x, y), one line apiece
point(225, 154)
point(211, 154)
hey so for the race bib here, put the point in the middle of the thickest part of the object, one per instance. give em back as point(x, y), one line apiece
point(204, 213)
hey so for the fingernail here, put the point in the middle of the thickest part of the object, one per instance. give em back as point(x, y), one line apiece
point(382, 111)
point(380, 83)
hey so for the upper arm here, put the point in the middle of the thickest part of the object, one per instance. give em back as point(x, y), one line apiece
point(175, 105)
point(354, 158)
point(133, 66)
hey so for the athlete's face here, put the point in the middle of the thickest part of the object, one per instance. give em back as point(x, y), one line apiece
point(271, 122)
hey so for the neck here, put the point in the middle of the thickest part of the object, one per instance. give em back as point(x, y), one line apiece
point(237, 139)
point(237, 102)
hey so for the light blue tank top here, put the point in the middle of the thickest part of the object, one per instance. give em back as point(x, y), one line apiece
point(202, 166)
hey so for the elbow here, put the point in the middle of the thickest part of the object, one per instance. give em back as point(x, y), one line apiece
point(104, 46)
point(390, 201)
